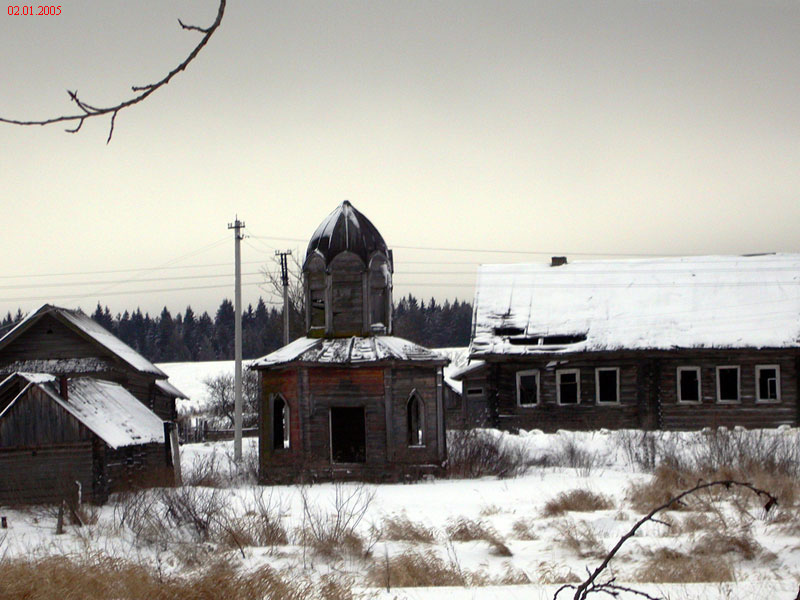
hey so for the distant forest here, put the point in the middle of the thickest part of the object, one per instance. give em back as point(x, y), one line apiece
point(189, 337)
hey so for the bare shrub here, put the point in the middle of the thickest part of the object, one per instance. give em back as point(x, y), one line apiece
point(333, 533)
point(206, 471)
point(463, 529)
point(401, 528)
point(666, 565)
point(642, 449)
point(513, 576)
point(421, 569)
point(571, 455)
point(99, 577)
point(220, 390)
point(577, 500)
point(477, 453)
point(525, 529)
point(580, 538)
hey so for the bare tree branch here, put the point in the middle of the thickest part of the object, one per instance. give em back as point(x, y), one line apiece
point(590, 585)
point(89, 111)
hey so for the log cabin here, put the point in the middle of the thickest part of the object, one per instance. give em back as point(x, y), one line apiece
point(68, 345)
point(76, 439)
point(671, 343)
point(349, 399)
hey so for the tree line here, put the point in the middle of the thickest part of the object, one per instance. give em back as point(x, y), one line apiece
point(186, 336)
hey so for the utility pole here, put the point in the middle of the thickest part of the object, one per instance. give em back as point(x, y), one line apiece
point(285, 280)
point(237, 226)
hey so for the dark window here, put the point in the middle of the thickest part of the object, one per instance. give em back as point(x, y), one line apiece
point(689, 384)
point(348, 435)
point(568, 387)
point(280, 423)
point(767, 383)
point(728, 384)
point(528, 388)
point(416, 421)
point(607, 385)
point(318, 308)
point(475, 392)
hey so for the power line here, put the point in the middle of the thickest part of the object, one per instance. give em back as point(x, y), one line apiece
point(136, 270)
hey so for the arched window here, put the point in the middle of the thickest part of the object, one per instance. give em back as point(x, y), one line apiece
point(415, 414)
point(316, 294)
point(280, 423)
point(379, 283)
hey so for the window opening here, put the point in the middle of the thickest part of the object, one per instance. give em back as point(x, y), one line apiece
point(379, 284)
point(348, 435)
point(728, 384)
point(768, 383)
point(688, 384)
point(568, 387)
point(607, 383)
point(415, 413)
point(280, 423)
point(528, 388)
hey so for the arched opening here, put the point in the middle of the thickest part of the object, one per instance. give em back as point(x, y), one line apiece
point(379, 284)
point(415, 415)
point(317, 286)
point(280, 423)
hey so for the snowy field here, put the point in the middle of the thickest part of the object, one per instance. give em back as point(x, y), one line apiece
point(528, 540)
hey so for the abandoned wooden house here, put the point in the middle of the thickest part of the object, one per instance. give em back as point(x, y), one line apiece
point(67, 344)
point(349, 399)
point(76, 439)
point(673, 343)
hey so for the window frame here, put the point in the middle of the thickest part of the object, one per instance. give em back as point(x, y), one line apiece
point(738, 399)
point(528, 373)
point(678, 394)
point(777, 399)
point(420, 403)
point(597, 387)
point(577, 373)
point(287, 423)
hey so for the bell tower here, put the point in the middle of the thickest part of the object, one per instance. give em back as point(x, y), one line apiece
point(347, 274)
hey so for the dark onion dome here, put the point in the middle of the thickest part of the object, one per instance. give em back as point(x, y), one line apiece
point(346, 229)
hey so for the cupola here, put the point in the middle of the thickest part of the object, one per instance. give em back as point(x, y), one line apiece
point(347, 275)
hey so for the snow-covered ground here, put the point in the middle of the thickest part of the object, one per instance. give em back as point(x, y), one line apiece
point(538, 548)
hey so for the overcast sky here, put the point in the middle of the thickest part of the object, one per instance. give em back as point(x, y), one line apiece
point(577, 128)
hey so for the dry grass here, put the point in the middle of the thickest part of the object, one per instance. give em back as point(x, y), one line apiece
point(468, 530)
point(577, 500)
point(525, 529)
point(666, 483)
point(580, 538)
point(420, 569)
point(551, 573)
point(100, 577)
point(671, 566)
point(716, 543)
point(401, 528)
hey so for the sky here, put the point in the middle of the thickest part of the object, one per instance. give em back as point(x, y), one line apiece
point(587, 129)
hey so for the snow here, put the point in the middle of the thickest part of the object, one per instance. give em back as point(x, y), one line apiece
point(350, 350)
point(498, 502)
point(665, 303)
point(107, 409)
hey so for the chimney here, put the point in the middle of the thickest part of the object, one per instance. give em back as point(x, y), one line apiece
point(63, 387)
point(557, 261)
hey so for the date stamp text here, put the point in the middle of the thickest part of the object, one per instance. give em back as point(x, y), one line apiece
point(14, 11)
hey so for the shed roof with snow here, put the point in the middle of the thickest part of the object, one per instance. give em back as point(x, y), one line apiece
point(665, 303)
point(105, 408)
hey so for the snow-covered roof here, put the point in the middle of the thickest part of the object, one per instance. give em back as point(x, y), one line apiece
point(350, 350)
point(91, 329)
point(458, 358)
point(106, 408)
point(665, 303)
point(169, 389)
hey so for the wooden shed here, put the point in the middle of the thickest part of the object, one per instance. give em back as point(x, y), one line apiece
point(349, 399)
point(672, 343)
point(76, 439)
